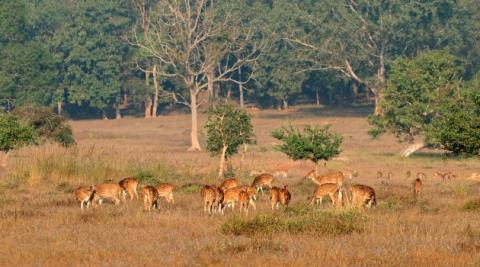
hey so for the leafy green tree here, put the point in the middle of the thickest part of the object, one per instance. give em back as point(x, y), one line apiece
point(457, 126)
point(227, 129)
point(92, 54)
point(423, 99)
point(14, 134)
point(313, 143)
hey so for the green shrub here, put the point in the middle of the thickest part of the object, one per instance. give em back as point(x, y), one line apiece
point(14, 133)
point(47, 125)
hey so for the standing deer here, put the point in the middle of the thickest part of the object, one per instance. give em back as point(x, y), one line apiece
point(229, 183)
point(329, 189)
point(165, 190)
point(279, 196)
point(362, 195)
point(150, 198)
point(129, 184)
point(111, 191)
point(84, 195)
point(262, 180)
point(208, 194)
point(244, 200)
point(417, 188)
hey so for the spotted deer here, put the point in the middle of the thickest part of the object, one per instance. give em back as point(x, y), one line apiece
point(362, 195)
point(208, 194)
point(111, 191)
point(244, 200)
point(417, 188)
point(84, 195)
point(129, 185)
point(279, 196)
point(165, 190)
point(329, 189)
point(263, 180)
point(229, 183)
point(332, 177)
point(150, 198)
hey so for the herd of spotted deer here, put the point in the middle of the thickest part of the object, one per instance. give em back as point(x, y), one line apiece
point(230, 191)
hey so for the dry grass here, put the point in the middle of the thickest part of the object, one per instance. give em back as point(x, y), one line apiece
point(40, 224)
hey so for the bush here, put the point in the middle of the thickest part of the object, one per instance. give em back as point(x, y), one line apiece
point(47, 125)
point(14, 133)
point(312, 143)
point(318, 223)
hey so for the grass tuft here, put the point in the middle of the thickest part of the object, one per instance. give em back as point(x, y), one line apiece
point(298, 221)
point(471, 205)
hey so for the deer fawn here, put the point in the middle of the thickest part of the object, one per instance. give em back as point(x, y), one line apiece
point(244, 200)
point(229, 183)
point(84, 195)
point(150, 197)
point(262, 180)
point(111, 191)
point(165, 190)
point(129, 185)
point(328, 189)
point(417, 188)
point(252, 194)
point(279, 196)
point(363, 195)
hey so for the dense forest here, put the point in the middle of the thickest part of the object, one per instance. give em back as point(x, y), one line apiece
point(143, 57)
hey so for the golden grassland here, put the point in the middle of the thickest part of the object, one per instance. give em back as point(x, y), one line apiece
point(41, 224)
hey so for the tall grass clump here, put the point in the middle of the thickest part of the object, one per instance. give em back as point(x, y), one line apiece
point(471, 205)
point(319, 223)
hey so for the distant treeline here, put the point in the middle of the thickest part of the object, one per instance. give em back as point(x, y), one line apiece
point(143, 57)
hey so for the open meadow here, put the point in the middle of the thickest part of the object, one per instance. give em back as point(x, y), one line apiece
point(41, 224)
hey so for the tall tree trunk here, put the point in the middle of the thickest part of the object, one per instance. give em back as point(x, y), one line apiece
point(222, 162)
point(412, 149)
point(59, 107)
point(378, 92)
point(240, 88)
point(118, 114)
point(148, 98)
point(378, 103)
point(195, 144)
point(210, 88)
point(104, 115)
point(285, 104)
point(317, 95)
point(155, 94)
point(229, 93)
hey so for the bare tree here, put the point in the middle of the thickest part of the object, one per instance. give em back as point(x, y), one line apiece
point(198, 44)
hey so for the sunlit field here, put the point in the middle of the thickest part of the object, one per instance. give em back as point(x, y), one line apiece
point(41, 224)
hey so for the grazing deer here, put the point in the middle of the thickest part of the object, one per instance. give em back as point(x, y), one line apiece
point(279, 196)
point(129, 185)
point(329, 189)
point(150, 197)
point(379, 174)
point(332, 177)
point(417, 188)
point(111, 191)
point(244, 200)
point(165, 190)
point(362, 195)
point(217, 204)
point(229, 183)
point(84, 195)
point(262, 180)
